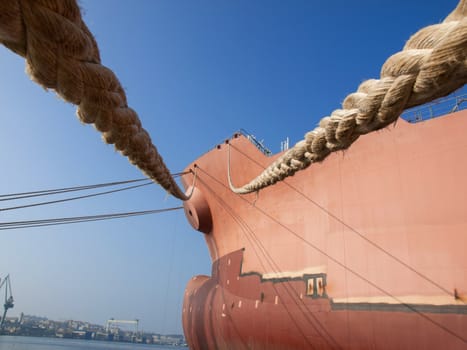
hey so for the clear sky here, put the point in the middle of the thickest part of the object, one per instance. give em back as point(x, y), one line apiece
point(196, 72)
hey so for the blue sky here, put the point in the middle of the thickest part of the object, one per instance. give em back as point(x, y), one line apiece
point(196, 72)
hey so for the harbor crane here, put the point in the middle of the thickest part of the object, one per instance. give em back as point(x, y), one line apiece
point(110, 324)
point(8, 298)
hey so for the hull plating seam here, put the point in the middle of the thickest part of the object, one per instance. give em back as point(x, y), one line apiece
point(423, 308)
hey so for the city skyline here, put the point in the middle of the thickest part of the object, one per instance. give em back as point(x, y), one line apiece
point(113, 330)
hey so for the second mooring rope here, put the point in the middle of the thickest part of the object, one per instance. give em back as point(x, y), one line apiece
point(431, 65)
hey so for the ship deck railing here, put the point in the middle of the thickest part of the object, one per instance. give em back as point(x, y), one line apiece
point(454, 102)
point(258, 144)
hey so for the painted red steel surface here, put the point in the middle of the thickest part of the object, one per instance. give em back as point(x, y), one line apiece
point(364, 250)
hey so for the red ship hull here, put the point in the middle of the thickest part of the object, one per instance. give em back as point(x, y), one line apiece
point(364, 250)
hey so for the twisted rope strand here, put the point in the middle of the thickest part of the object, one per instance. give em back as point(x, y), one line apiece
point(62, 54)
point(432, 64)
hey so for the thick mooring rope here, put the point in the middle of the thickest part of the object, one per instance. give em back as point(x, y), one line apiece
point(431, 65)
point(61, 54)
